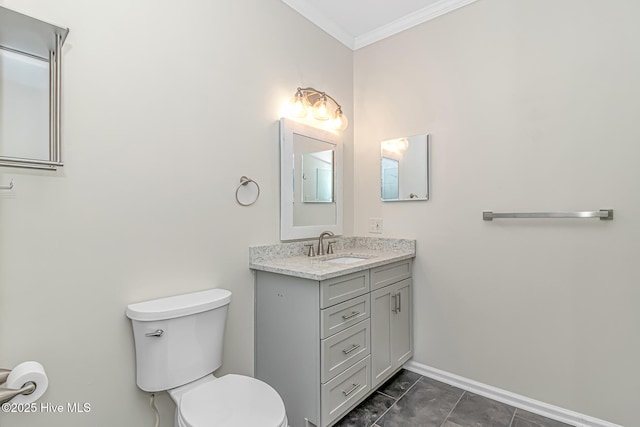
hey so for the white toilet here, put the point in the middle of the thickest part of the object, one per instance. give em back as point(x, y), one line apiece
point(178, 346)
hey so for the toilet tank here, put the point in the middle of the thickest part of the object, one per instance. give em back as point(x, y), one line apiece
point(178, 339)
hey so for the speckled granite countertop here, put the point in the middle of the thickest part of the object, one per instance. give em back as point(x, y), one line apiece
point(290, 258)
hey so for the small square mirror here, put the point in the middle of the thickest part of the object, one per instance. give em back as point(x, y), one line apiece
point(404, 168)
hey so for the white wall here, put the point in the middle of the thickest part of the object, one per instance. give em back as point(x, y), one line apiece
point(166, 105)
point(533, 106)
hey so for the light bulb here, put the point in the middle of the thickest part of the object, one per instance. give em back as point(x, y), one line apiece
point(403, 144)
point(299, 105)
point(340, 121)
point(320, 110)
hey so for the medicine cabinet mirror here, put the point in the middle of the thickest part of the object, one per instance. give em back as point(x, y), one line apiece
point(310, 181)
point(30, 88)
point(404, 168)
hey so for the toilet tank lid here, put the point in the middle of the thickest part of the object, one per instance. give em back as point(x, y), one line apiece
point(179, 305)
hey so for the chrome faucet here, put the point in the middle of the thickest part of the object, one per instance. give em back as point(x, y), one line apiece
point(320, 250)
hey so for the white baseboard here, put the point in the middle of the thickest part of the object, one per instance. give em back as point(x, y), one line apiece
point(513, 399)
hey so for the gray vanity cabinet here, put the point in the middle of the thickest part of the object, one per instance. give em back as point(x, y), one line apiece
point(317, 341)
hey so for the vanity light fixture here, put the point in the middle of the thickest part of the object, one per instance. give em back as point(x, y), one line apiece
point(322, 106)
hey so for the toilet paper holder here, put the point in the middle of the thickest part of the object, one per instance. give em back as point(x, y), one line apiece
point(6, 394)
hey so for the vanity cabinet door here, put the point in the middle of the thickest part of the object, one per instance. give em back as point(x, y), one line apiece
point(391, 330)
point(381, 358)
point(401, 330)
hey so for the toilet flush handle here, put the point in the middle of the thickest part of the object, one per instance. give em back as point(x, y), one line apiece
point(156, 333)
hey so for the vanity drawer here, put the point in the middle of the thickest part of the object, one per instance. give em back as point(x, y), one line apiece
point(390, 273)
point(339, 289)
point(343, 349)
point(340, 316)
point(341, 393)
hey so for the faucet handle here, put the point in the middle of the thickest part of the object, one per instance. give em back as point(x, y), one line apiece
point(330, 246)
point(311, 252)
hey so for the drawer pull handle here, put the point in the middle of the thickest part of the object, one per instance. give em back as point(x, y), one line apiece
point(349, 350)
point(349, 316)
point(351, 390)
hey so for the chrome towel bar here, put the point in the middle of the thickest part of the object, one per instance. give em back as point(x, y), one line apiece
point(603, 214)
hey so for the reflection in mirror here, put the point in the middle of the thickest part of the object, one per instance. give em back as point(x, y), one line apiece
point(390, 183)
point(310, 157)
point(311, 181)
point(405, 168)
point(317, 177)
point(24, 106)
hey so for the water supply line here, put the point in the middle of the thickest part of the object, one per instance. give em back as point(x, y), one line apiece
point(152, 403)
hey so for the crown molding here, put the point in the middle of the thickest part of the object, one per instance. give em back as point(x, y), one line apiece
point(439, 8)
point(318, 18)
point(416, 18)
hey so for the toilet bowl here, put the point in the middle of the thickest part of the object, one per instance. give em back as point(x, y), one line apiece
point(229, 401)
point(179, 343)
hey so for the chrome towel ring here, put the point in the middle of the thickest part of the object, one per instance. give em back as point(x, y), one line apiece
point(244, 181)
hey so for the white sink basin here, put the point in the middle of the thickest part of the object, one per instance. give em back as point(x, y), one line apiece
point(348, 259)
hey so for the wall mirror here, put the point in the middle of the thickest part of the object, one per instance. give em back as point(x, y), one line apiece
point(30, 91)
point(310, 181)
point(404, 168)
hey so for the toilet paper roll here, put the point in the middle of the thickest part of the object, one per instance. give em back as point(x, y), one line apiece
point(24, 373)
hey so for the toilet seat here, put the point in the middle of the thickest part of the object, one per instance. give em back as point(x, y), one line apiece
point(232, 401)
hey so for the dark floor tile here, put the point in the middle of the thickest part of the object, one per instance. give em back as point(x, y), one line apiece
point(365, 414)
point(528, 419)
point(399, 383)
point(426, 404)
point(478, 411)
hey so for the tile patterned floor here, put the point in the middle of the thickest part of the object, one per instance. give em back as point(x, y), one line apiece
point(411, 400)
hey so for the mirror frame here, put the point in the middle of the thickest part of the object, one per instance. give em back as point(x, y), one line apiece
point(288, 231)
point(30, 37)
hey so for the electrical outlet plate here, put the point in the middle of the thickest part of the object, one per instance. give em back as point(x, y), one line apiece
point(375, 225)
